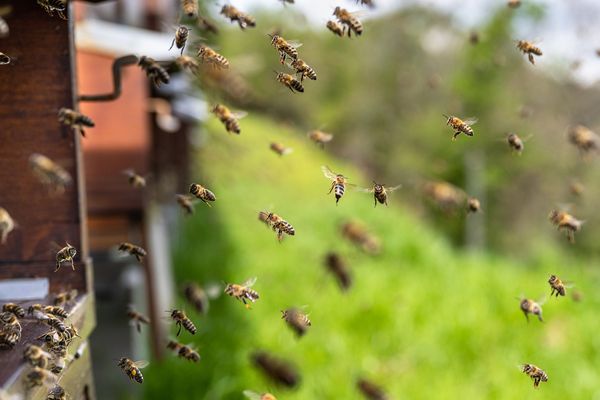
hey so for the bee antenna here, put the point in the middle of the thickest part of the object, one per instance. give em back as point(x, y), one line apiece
point(269, 35)
point(276, 72)
point(445, 116)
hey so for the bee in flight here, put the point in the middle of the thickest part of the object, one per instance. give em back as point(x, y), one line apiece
point(278, 370)
point(67, 253)
point(338, 184)
point(181, 36)
point(202, 193)
point(296, 320)
point(135, 180)
point(558, 286)
point(338, 267)
point(233, 14)
point(54, 6)
point(349, 19)
point(138, 252)
point(188, 63)
point(199, 297)
point(188, 353)
point(285, 48)
point(537, 374)
point(256, 396)
point(530, 49)
point(75, 119)
point(204, 24)
point(370, 390)
point(132, 368)
point(303, 70)
point(190, 8)
point(380, 192)
point(576, 188)
point(65, 297)
point(186, 202)
point(473, 205)
point(50, 173)
point(208, 55)
point(584, 139)
point(155, 72)
point(358, 234)
point(513, 3)
point(228, 118)
point(459, 126)
point(515, 143)
point(280, 149)
point(565, 221)
point(529, 306)
point(243, 292)
point(182, 320)
point(136, 318)
point(278, 224)
point(320, 137)
point(290, 82)
point(7, 224)
point(445, 195)
point(336, 28)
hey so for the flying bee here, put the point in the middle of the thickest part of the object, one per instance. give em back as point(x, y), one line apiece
point(513, 3)
point(190, 8)
point(338, 267)
point(181, 37)
point(256, 396)
point(336, 28)
point(576, 188)
point(243, 292)
point(444, 195)
point(320, 137)
point(155, 72)
point(65, 297)
point(132, 368)
point(39, 376)
point(370, 390)
point(285, 48)
point(37, 357)
point(473, 205)
point(135, 180)
point(186, 202)
point(338, 182)
point(289, 81)
point(584, 139)
point(228, 118)
point(202, 193)
point(278, 370)
point(136, 318)
point(233, 14)
point(530, 49)
point(296, 320)
point(303, 70)
point(138, 252)
point(57, 393)
point(16, 309)
point(529, 306)
point(10, 330)
point(174, 345)
point(4, 59)
point(537, 374)
point(182, 320)
point(280, 149)
point(188, 353)
point(515, 143)
point(189, 63)
point(54, 6)
point(380, 192)
point(558, 286)
point(204, 24)
point(208, 55)
point(358, 234)
point(565, 221)
point(459, 126)
point(50, 173)
point(278, 224)
point(75, 120)
point(199, 297)
point(349, 19)
point(67, 253)
point(474, 37)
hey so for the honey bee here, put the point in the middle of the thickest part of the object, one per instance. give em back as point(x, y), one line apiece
point(303, 70)
point(228, 118)
point(285, 48)
point(138, 252)
point(136, 318)
point(65, 297)
point(181, 37)
point(515, 143)
point(473, 205)
point(338, 184)
point(278, 224)
point(4, 59)
point(280, 149)
point(529, 306)
point(50, 173)
point(205, 24)
point(39, 376)
point(557, 286)
point(189, 63)
point(57, 393)
point(349, 19)
point(459, 126)
point(190, 8)
point(370, 390)
point(537, 374)
point(54, 6)
point(565, 221)
point(199, 297)
point(243, 20)
point(16, 309)
point(37, 357)
point(255, 396)
point(132, 368)
point(66, 337)
point(243, 292)
point(188, 353)
point(289, 81)
point(369, 3)
point(55, 323)
point(135, 180)
point(280, 371)
point(336, 28)
point(357, 234)
point(474, 37)
point(446, 196)
point(296, 320)
point(380, 192)
point(36, 311)
point(182, 320)
point(174, 345)
point(155, 72)
point(67, 253)
point(54, 310)
point(75, 120)
point(320, 137)
point(186, 202)
point(59, 360)
point(202, 193)
point(576, 188)
point(10, 330)
point(530, 49)
point(584, 139)
point(208, 55)
point(338, 267)
point(513, 3)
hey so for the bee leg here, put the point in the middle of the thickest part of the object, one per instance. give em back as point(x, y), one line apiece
point(531, 59)
point(137, 257)
point(57, 266)
point(179, 331)
point(455, 135)
point(139, 327)
point(526, 316)
point(172, 43)
point(72, 265)
point(331, 189)
point(375, 205)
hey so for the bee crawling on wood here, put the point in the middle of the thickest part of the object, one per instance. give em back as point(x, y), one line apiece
point(10, 330)
point(39, 376)
point(75, 120)
point(36, 356)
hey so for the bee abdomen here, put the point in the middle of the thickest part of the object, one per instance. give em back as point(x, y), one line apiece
point(85, 120)
point(356, 26)
point(189, 326)
point(339, 191)
point(297, 85)
point(139, 378)
point(287, 228)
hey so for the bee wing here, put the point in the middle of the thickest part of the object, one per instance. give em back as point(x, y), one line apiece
point(541, 300)
point(252, 395)
point(391, 189)
point(327, 172)
point(294, 43)
point(239, 114)
point(364, 190)
point(213, 290)
point(129, 172)
point(358, 14)
point(471, 121)
point(141, 363)
point(250, 282)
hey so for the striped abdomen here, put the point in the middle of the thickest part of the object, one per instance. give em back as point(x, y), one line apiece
point(339, 189)
point(355, 25)
point(232, 125)
point(304, 70)
point(189, 326)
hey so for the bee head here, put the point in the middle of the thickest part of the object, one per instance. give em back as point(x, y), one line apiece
point(336, 11)
point(552, 279)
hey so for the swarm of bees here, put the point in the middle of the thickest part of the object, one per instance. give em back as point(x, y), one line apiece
point(75, 120)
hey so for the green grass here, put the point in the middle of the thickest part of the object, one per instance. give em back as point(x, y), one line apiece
point(423, 319)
